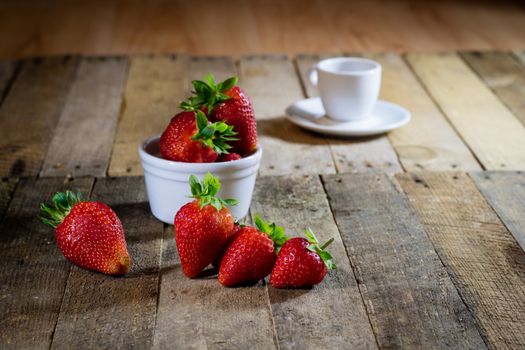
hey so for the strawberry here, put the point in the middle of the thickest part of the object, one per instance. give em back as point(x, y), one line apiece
point(203, 226)
point(89, 234)
point(226, 102)
point(236, 229)
point(189, 137)
point(228, 157)
point(250, 255)
point(301, 263)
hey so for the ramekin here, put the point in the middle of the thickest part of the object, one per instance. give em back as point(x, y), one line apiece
point(167, 182)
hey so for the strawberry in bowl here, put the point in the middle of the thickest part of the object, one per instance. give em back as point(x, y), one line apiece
point(215, 132)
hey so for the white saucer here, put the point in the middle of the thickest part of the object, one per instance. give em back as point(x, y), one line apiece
point(309, 114)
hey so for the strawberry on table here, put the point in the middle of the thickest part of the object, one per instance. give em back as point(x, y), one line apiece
point(250, 255)
point(189, 137)
point(227, 102)
point(203, 226)
point(301, 263)
point(89, 234)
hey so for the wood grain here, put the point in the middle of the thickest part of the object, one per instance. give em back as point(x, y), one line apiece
point(202, 314)
point(215, 316)
point(104, 312)
point(428, 142)
point(7, 186)
point(504, 75)
point(154, 88)
point(411, 301)
point(7, 72)
point(487, 126)
point(505, 191)
point(83, 137)
point(31, 28)
point(483, 259)
point(33, 271)
point(370, 154)
point(331, 315)
point(35, 101)
point(520, 55)
point(272, 84)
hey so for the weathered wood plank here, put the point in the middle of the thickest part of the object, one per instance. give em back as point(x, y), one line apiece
point(84, 134)
point(410, 299)
point(104, 312)
point(7, 72)
point(7, 186)
point(272, 84)
point(33, 272)
point(154, 88)
point(505, 191)
point(487, 126)
point(29, 114)
point(330, 315)
point(484, 260)
point(370, 154)
point(201, 314)
point(216, 317)
point(428, 141)
point(504, 75)
point(520, 55)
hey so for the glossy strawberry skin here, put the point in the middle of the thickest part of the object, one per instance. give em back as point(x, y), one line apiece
point(238, 111)
point(249, 257)
point(236, 229)
point(176, 143)
point(201, 234)
point(297, 266)
point(228, 157)
point(92, 237)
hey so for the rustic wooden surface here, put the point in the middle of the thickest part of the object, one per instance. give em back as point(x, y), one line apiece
point(484, 260)
point(35, 101)
point(33, 28)
point(411, 301)
point(426, 241)
point(90, 113)
point(506, 193)
point(471, 107)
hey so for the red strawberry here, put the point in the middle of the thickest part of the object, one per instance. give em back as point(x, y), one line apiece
point(228, 157)
point(89, 234)
point(236, 229)
point(250, 255)
point(190, 138)
point(301, 263)
point(228, 103)
point(203, 226)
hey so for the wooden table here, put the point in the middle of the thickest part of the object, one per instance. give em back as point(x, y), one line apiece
point(426, 219)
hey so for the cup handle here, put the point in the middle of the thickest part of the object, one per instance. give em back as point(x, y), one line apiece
point(313, 75)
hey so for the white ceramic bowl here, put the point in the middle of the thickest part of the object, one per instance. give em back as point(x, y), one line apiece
point(167, 182)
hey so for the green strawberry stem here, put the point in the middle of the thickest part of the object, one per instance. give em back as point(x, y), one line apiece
point(206, 192)
point(208, 93)
point(61, 204)
point(215, 135)
point(314, 247)
point(327, 243)
point(276, 233)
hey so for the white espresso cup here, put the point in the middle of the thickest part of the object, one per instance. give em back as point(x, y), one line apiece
point(348, 86)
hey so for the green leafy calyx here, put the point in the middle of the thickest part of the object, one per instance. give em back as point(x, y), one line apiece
point(208, 93)
point(320, 250)
point(206, 192)
point(214, 135)
point(276, 233)
point(61, 204)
